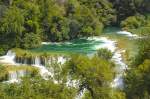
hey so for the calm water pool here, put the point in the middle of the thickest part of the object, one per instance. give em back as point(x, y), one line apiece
point(84, 45)
point(88, 46)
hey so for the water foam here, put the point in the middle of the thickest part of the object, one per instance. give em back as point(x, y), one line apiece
point(8, 58)
point(120, 68)
point(14, 76)
point(129, 34)
point(106, 43)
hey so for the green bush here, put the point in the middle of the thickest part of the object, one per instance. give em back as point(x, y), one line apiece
point(3, 73)
point(137, 81)
point(133, 22)
point(36, 88)
point(31, 40)
point(94, 74)
point(2, 52)
point(104, 53)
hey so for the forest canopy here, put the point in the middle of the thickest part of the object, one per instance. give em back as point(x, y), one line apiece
point(26, 23)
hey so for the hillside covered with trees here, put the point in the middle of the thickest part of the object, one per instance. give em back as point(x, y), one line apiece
point(26, 23)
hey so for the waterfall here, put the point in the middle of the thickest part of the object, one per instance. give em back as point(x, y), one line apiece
point(61, 60)
point(120, 68)
point(39, 62)
point(14, 76)
point(120, 65)
point(21, 73)
point(8, 58)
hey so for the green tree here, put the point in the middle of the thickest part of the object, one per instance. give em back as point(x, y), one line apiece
point(144, 51)
point(104, 53)
point(137, 82)
point(94, 74)
point(35, 88)
point(12, 27)
point(103, 9)
point(31, 40)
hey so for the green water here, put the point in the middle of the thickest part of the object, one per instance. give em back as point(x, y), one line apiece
point(83, 45)
point(86, 46)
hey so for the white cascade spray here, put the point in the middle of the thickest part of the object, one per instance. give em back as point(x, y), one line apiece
point(14, 76)
point(8, 58)
point(106, 43)
point(120, 69)
point(129, 34)
point(121, 65)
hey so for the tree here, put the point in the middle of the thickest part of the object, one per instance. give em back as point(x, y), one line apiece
point(36, 88)
point(31, 40)
point(137, 81)
point(12, 27)
point(93, 74)
point(133, 22)
point(144, 51)
point(87, 31)
point(104, 53)
point(103, 9)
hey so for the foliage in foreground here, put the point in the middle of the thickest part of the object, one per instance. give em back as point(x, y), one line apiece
point(137, 82)
point(137, 79)
point(104, 53)
point(94, 74)
point(35, 88)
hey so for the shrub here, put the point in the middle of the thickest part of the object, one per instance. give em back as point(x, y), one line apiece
point(104, 53)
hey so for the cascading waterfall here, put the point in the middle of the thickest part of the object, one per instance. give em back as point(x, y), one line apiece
point(14, 76)
point(120, 68)
point(120, 65)
point(8, 58)
point(39, 62)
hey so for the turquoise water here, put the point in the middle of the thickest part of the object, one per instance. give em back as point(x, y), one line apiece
point(83, 45)
point(111, 30)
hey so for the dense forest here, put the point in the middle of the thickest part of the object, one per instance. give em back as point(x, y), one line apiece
point(27, 23)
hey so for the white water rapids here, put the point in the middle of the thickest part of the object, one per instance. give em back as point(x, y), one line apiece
point(14, 76)
point(9, 58)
